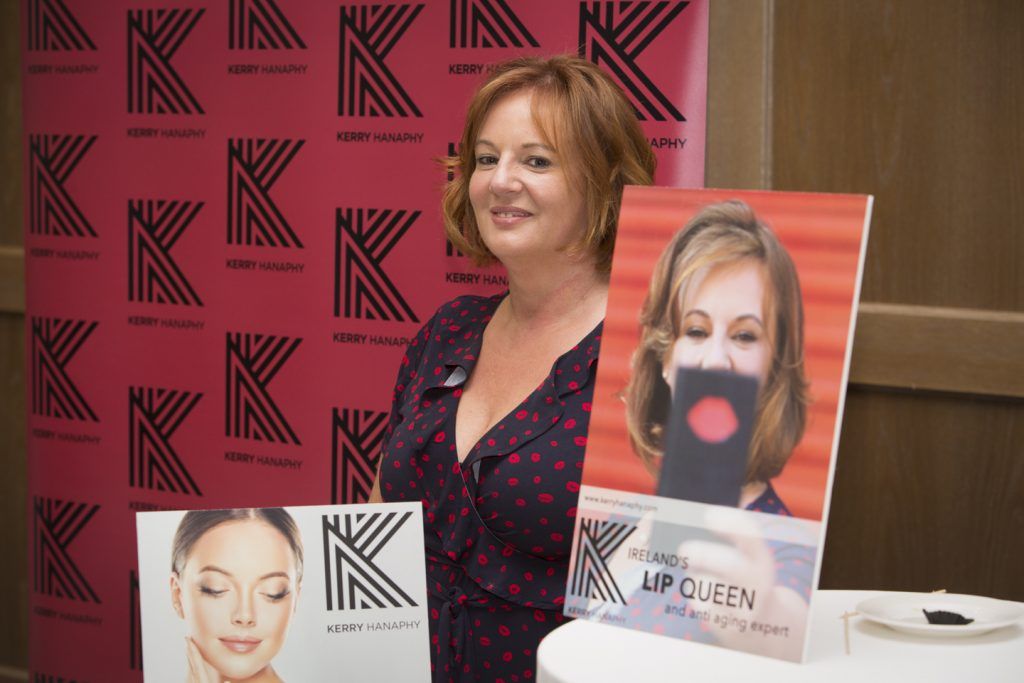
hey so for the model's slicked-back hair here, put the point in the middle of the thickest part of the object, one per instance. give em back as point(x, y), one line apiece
point(195, 523)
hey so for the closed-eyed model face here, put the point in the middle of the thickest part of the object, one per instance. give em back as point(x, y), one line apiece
point(237, 593)
point(522, 198)
point(723, 322)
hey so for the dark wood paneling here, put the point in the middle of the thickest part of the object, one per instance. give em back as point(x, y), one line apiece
point(12, 280)
point(13, 534)
point(945, 349)
point(920, 103)
point(738, 83)
point(924, 509)
point(10, 123)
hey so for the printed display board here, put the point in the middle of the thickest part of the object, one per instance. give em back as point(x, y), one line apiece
point(232, 230)
point(303, 592)
point(716, 414)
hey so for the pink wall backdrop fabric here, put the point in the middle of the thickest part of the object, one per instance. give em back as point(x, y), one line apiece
point(232, 229)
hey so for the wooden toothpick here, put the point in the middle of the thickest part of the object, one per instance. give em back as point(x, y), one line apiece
point(846, 629)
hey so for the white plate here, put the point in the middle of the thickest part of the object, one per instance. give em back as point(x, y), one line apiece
point(902, 611)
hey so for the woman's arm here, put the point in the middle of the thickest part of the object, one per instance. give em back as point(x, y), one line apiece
point(406, 372)
point(375, 496)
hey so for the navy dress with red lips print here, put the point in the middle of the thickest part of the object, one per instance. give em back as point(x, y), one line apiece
point(498, 526)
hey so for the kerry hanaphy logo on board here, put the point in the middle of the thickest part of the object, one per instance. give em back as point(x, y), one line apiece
point(363, 239)
point(53, 27)
point(355, 579)
point(56, 524)
point(154, 86)
point(55, 342)
point(254, 165)
point(252, 362)
point(366, 84)
point(154, 227)
point(52, 160)
point(154, 416)
point(614, 34)
point(260, 25)
point(487, 23)
point(356, 436)
point(596, 543)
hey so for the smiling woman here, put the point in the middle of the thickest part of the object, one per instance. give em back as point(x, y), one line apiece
point(235, 580)
point(489, 419)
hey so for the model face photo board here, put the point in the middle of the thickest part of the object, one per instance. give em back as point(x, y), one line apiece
point(716, 414)
point(284, 594)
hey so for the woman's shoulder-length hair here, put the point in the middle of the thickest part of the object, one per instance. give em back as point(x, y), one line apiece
point(587, 120)
point(196, 523)
point(722, 233)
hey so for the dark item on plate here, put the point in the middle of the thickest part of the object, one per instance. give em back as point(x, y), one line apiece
point(946, 618)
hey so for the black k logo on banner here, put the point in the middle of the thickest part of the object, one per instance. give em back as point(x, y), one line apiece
point(366, 86)
point(596, 543)
point(51, 27)
point(56, 524)
point(153, 228)
point(252, 362)
point(51, 209)
point(486, 23)
point(363, 238)
point(253, 168)
point(355, 446)
point(353, 580)
point(154, 87)
point(135, 622)
point(54, 344)
point(614, 34)
point(154, 415)
point(260, 25)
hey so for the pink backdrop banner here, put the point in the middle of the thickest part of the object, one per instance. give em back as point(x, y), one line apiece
point(232, 229)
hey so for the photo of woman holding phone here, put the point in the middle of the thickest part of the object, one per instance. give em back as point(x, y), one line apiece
point(724, 300)
point(724, 296)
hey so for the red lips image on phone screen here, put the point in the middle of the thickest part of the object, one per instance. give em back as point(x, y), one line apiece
point(712, 419)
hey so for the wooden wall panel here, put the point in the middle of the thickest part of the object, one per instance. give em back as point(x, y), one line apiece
point(739, 81)
point(13, 531)
point(920, 103)
point(927, 508)
point(10, 123)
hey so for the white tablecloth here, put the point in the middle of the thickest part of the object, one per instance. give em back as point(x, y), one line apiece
point(588, 652)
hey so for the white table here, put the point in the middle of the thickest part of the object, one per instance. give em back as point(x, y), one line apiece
point(584, 651)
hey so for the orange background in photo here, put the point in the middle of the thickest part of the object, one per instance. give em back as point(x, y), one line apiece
point(822, 234)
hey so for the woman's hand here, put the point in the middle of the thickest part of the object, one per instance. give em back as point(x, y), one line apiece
point(199, 670)
point(744, 560)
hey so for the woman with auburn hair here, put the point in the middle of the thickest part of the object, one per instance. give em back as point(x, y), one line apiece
point(490, 411)
point(724, 295)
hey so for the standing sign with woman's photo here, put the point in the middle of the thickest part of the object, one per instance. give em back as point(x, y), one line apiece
point(716, 414)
